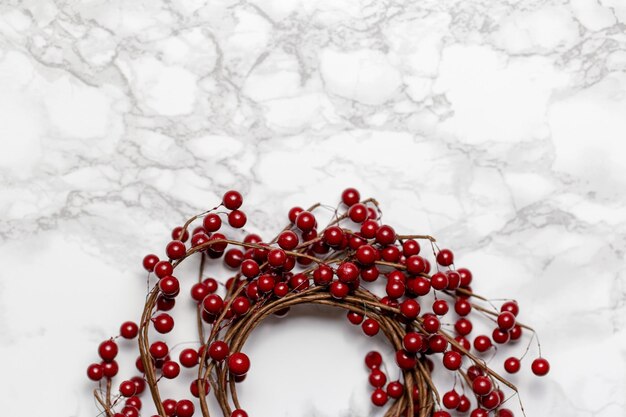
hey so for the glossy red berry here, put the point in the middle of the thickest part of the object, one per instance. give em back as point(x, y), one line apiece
point(213, 304)
point(108, 350)
point(355, 318)
point(419, 286)
point(240, 305)
point(512, 365)
point(506, 320)
point(188, 358)
point(370, 327)
point(415, 264)
point(339, 290)
point(462, 307)
point(293, 213)
point(451, 400)
point(510, 306)
point(212, 222)
point(431, 323)
point(464, 404)
point(463, 326)
point(437, 343)
point(395, 289)
point(347, 272)
point(184, 408)
point(405, 360)
point(232, 200)
point(305, 221)
point(441, 413)
point(466, 277)
point(500, 336)
point(504, 412)
point(366, 255)
point(238, 363)
point(453, 279)
point(452, 360)
point(170, 369)
point(540, 367)
point(175, 249)
point(385, 235)
point(169, 286)
point(249, 268)
point(358, 213)
point(440, 307)
point(479, 412)
point(474, 371)
point(128, 388)
point(237, 219)
point(110, 369)
point(377, 378)
point(218, 351)
point(373, 360)
point(369, 228)
point(350, 196)
point(129, 330)
point(410, 247)
point(370, 274)
point(412, 342)
point(445, 257)
point(266, 283)
point(333, 236)
point(482, 385)
point(170, 407)
point(163, 323)
point(95, 372)
point(515, 332)
point(158, 350)
point(163, 269)
point(276, 258)
point(239, 413)
point(410, 308)
point(149, 261)
point(379, 397)
point(288, 240)
point(439, 281)
point(395, 389)
point(482, 343)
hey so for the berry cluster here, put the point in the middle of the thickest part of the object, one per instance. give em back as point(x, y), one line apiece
point(335, 266)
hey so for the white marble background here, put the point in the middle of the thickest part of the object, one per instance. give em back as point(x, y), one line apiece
point(497, 126)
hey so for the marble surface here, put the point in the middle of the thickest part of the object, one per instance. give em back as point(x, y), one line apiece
point(497, 126)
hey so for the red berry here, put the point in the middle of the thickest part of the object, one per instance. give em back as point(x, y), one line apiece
point(249, 268)
point(237, 219)
point(108, 350)
point(212, 222)
point(410, 247)
point(266, 283)
point(405, 360)
point(474, 371)
point(163, 323)
point(95, 372)
point(358, 213)
point(512, 365)
point(195, 389)
point(415, 264)
point(369, 228)
point(482, 385)
point(385, 235)
point(377, 378)
point(395, 389)
point(462, 307)
point(305, 221)
point(129, 330)
point(410, 308)
point(188, 358)
point(511, 307)
point(293, 213)
point(322, 275)
point(110, 369)
point(466, 277)
point(355, 318)
point(431, 323)
point(240, 305)
point(239, 413)
point(288, 240)
point(163, 269)
point(149, 261)
point(199, 291)
point(370, 274)
point(463, 326)
point(504, 412)
point(506, 320)
point(445, 257)
point(184, 408)
point(347, 272)
point(158, 350)
point(441, 413)
point(379, 397)
point(339, 290)
point(232, 200)
point(169, 286)
point(213, 304)
point(395, 289)
point(350, 196)
point(453, 279)
point(490, 401)
point(218, 350)
point(440, 307)
point(500, 336)
point(412, 342)
point(333, 236)
point(515, 332)
point(238, 363)
point(482, 343)
point(479, 412)
point(170, 407)
point(540, 367)
point(452, 360)
point(420, 286)
point(439, 281)
point(128, 388)
point(175, 249)
point(170, 369)
point(451, 400)
point(366, 255)
point(373, 360)
point(437, 343)
point(370, 327)
point(276, 258)
point(464, 404)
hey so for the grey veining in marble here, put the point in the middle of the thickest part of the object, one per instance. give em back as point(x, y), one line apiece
point(497, 126)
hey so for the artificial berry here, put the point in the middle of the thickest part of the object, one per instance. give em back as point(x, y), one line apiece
point(238, 413)
point(355, 318)
point(288, 240)
point(95, 372)
point(266, 283)
point(452, 360)
point(237, 219)
point(415, 264)
point(410, 247)
point(347, 272)
point(379, 397)
point(540, 367)
point(370, 327)
point(515, 332)
point(504, 412)
point(466, 277)
point(506, 320)
point(481, 385)
point(369, 228)
point(339, 290)
point(462, 307)
point(213, 304)
point(474, 371)
point(163, 269)
point(431, 323)
point(451, 400)
point(377, 378)
point(453, 280)
point(232, 200)
point(158, 350)
point(175, 249)
point(350, 196)
point(463, 326)
point(218, 350)
point(385, 235)
point(110, 369)
point(128, 388)
point(445, 257)
point(395, 289)
point(305, 221)
point(464, 404)
point(184, 408)
point(188, 358)
point(439, 281)
point(170, 369)
point(500, 336)
point(149, 261)
point(479, 412)
point(249, 268)
point(410, 308)
point(170, 407)
point(395, 389)
point(129, 330)
point(373, 360)
point(366, 255)
point(482, 343)
point(333, 236)
point(512, 365)
point(108, 350)
point(163, 323)
point(412, 342)
point(490, 401)
point(440, 413)
point(358, 213)
point(238, 363)
point(405, 360)
point(276, 258)
point(169, 286)
point(440, 307)
point(511, 307)
point(240, 305)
